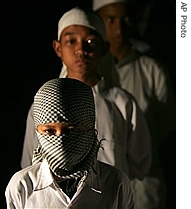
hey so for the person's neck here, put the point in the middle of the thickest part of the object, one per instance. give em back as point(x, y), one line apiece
point(120, 52)
point(87, 78)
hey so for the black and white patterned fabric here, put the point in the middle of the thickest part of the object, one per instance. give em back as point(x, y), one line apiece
point(66, 100)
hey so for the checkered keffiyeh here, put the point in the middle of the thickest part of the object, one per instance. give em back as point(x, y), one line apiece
point(66, 100)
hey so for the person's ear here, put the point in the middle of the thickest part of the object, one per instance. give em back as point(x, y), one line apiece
point(57, 47)
point(106, 46)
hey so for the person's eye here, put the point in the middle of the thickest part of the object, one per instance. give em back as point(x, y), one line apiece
point(70, 41)
point(50, 132)
point(127, 20)
point(109, 20)
point(67, 130)
point(92, 43)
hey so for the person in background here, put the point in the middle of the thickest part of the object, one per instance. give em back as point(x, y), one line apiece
point(148, 81)
point(66, 173)
point(80, 45)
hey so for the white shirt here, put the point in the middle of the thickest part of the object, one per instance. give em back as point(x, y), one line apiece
point(120, 121)
point(34, 187)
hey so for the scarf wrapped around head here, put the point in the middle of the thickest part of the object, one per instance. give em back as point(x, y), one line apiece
point(71, 101)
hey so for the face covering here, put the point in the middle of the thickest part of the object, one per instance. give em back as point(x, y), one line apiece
point(71, 101)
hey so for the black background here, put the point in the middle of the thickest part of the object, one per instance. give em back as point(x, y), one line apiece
point(28, 60)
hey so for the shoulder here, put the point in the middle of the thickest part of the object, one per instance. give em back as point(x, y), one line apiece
point(119, 94)
point(123, 100)
point(112, 172)
point(113, 179)
point(151, 62)
point(147, 59)
point(23, 177)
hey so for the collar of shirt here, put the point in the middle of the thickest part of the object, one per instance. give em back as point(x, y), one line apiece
point(44, 176)
point(45, 179)
point(99, 87)
point(128, 59)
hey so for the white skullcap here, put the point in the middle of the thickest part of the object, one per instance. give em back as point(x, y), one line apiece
point(98, 4)
point(78, 16)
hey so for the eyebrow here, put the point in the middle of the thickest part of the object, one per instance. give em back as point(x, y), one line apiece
point(48, 125)
point(69, 33)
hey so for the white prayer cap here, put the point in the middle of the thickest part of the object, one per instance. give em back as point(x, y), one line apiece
point(98, 4)
point(78, 16)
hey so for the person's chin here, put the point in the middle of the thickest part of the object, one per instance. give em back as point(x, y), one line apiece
point(118, 45)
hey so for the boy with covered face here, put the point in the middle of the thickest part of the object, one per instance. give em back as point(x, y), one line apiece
point(66, 173)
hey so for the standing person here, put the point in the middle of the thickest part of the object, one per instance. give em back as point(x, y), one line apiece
point(148, 82)
point(80, 45)
point(66, 173)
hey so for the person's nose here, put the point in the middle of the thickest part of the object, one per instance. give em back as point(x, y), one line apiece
point(63, 131)
point(118, 27)
point(59, 131)
point(80, 49)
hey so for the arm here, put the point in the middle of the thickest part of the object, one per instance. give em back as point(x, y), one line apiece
point(30, 140)
point(165, 110)
point(126, 198)
point(13, 194)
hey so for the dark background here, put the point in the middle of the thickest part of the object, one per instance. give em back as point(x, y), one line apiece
point(28, 60)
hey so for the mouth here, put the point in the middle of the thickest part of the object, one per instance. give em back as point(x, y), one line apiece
point(118, 39)
point(81, 62)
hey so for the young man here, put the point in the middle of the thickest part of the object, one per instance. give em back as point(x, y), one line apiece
point(66, 173)
point(80, 45)
point(148, 82)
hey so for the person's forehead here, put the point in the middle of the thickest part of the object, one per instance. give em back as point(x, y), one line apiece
point(79, 29)
point(56, 124)
point(114, 9)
